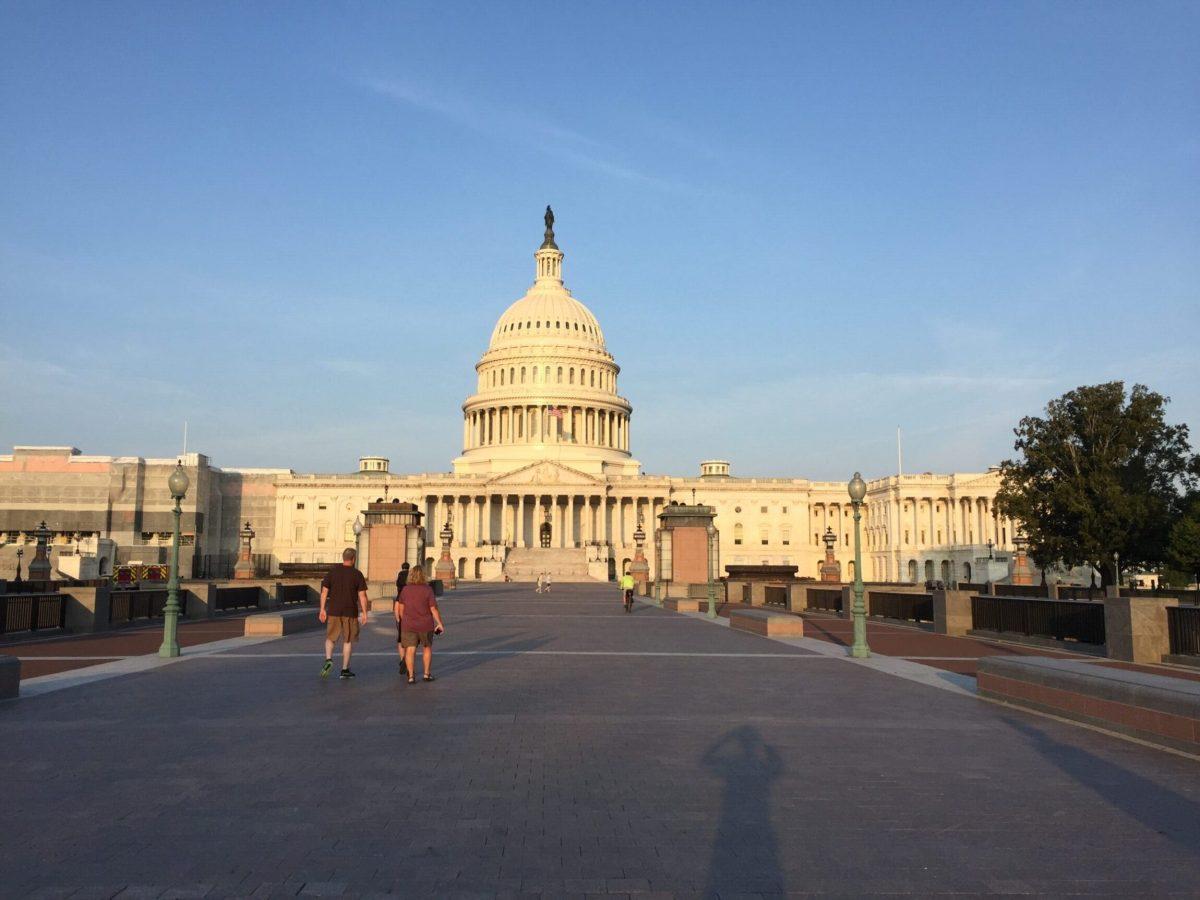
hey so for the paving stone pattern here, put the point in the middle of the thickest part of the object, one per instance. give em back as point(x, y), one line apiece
point(542, 762)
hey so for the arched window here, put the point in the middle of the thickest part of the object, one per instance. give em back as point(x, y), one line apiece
point(929, 570)
point(912, 570)
point(738, 531)
point(560, 374)
point(522, 374)
point(557, 324)
point(946, 571)
point(512, 376)
point(593, 376)
point(501, 378)
point(546, 376)
point(571, 376)
point(966, 570)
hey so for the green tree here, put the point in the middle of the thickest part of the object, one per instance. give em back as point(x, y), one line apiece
point(1183, 545)
point(1100, 473)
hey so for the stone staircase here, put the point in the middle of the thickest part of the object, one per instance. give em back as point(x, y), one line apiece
point(564, 564)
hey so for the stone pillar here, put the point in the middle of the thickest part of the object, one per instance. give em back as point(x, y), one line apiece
point(952, 612)
point(1135, 628)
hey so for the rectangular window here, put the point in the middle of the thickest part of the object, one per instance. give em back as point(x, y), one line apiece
point(299, 533)
point(320, 506)
point(785, 513)
point(922, 537)
point(321, 533)
point(939, 535)
point(764, 509)
point(299, 506)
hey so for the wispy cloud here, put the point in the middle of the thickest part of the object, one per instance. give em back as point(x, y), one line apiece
point(515, 126)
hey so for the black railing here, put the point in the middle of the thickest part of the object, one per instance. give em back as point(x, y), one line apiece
point(825, 599)
point(1077, 592)
point(1062, 620)
point(293, 593)
point(237, 598)
point(774, 595)
point(908, 607)
point(130, 606)
point(31, 612)
point(1021, 590)
point(1183, 630)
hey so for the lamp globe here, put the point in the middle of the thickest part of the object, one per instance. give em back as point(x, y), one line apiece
point(857, 487)
point(178, 482)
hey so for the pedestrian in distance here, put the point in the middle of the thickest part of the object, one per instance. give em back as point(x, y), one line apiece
point(627, 591)
point(546, 584)
point(417, 608)
point(401, 581)
point(540, 582)
point(343, 610)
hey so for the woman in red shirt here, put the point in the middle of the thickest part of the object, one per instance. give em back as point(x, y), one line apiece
point(419, 619)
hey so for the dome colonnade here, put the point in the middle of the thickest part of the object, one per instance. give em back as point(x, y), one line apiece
point(547, 386)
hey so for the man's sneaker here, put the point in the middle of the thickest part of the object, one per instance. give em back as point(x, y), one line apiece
point(403, 669)
point(325, 669)
point(346, 673)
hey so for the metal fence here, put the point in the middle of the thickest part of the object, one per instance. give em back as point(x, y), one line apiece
point(825, 599)
point(1183, 630)
point(1076, 592)
point(1021, 590)
point(130, 606)
point(1062, 620)
point(237, 598)
point(773, 595)
point(909, 607)
point(31, 612)
point(293, 593)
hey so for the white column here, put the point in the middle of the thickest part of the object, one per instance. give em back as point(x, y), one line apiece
point(523, 540)
point(560, 525)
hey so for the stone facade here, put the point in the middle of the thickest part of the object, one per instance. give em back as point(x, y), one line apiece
point(546, 441)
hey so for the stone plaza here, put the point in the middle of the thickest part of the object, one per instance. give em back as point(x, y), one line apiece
point(569, 749)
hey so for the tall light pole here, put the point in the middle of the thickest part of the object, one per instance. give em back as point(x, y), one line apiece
point(358, 528)
point(712, 564)
point(859, 650)
point(178, 484)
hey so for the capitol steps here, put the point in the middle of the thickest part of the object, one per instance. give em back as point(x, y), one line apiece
point(563, 564)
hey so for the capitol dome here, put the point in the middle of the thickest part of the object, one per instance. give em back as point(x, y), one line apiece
point(547, 385)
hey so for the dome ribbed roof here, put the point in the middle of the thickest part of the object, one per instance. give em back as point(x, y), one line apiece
point(547, 316)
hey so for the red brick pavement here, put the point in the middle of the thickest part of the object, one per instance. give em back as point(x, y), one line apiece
point(96, 649)
point(954, 654)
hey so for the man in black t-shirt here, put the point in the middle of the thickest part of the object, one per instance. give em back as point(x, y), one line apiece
point(343, 610)
point(401, 581)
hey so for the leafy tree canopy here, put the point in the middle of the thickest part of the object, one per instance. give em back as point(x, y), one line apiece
point(1100, 473)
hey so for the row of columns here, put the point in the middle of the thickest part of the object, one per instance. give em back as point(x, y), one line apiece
point(524, 424)
point(516, 519)
point(963, 520)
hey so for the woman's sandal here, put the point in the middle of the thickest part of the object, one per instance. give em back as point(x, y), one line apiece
point(430, 678)
point(411, 680)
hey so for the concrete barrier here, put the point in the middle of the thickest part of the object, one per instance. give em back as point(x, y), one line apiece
point(277, 624)
point(10, 677)
point(771, 624)
point(1155, 708)
point(680, 604)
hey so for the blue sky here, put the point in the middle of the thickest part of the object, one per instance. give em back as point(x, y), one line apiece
point(800, 225)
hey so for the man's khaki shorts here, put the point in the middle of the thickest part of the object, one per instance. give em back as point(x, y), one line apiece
point(416, 638)
point(339, 627)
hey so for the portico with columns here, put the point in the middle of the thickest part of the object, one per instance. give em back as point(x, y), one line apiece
point(547, 459)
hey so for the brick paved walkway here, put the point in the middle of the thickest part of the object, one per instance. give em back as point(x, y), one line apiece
point(569, 749)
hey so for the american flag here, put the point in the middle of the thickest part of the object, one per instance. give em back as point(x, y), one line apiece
point(556, 411)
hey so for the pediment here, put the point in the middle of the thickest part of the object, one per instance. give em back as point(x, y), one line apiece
point(547, 473)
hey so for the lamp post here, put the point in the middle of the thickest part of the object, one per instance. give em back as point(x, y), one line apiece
point(859, 650)
point(358, 528)
point(20, 553)
point(712, 587)
point(1117, 570)
point(178, 484)
point(991, 554)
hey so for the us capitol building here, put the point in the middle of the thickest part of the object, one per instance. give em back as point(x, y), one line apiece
point(546, 481)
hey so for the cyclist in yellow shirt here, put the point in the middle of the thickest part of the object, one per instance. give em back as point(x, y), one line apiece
point(627, 589)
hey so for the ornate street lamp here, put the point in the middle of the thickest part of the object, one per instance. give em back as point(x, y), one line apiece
point(1116, 570)
point(358, 529)
point(20, 553)
point(178, 484)
point(991, 544)
point(859, 650)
